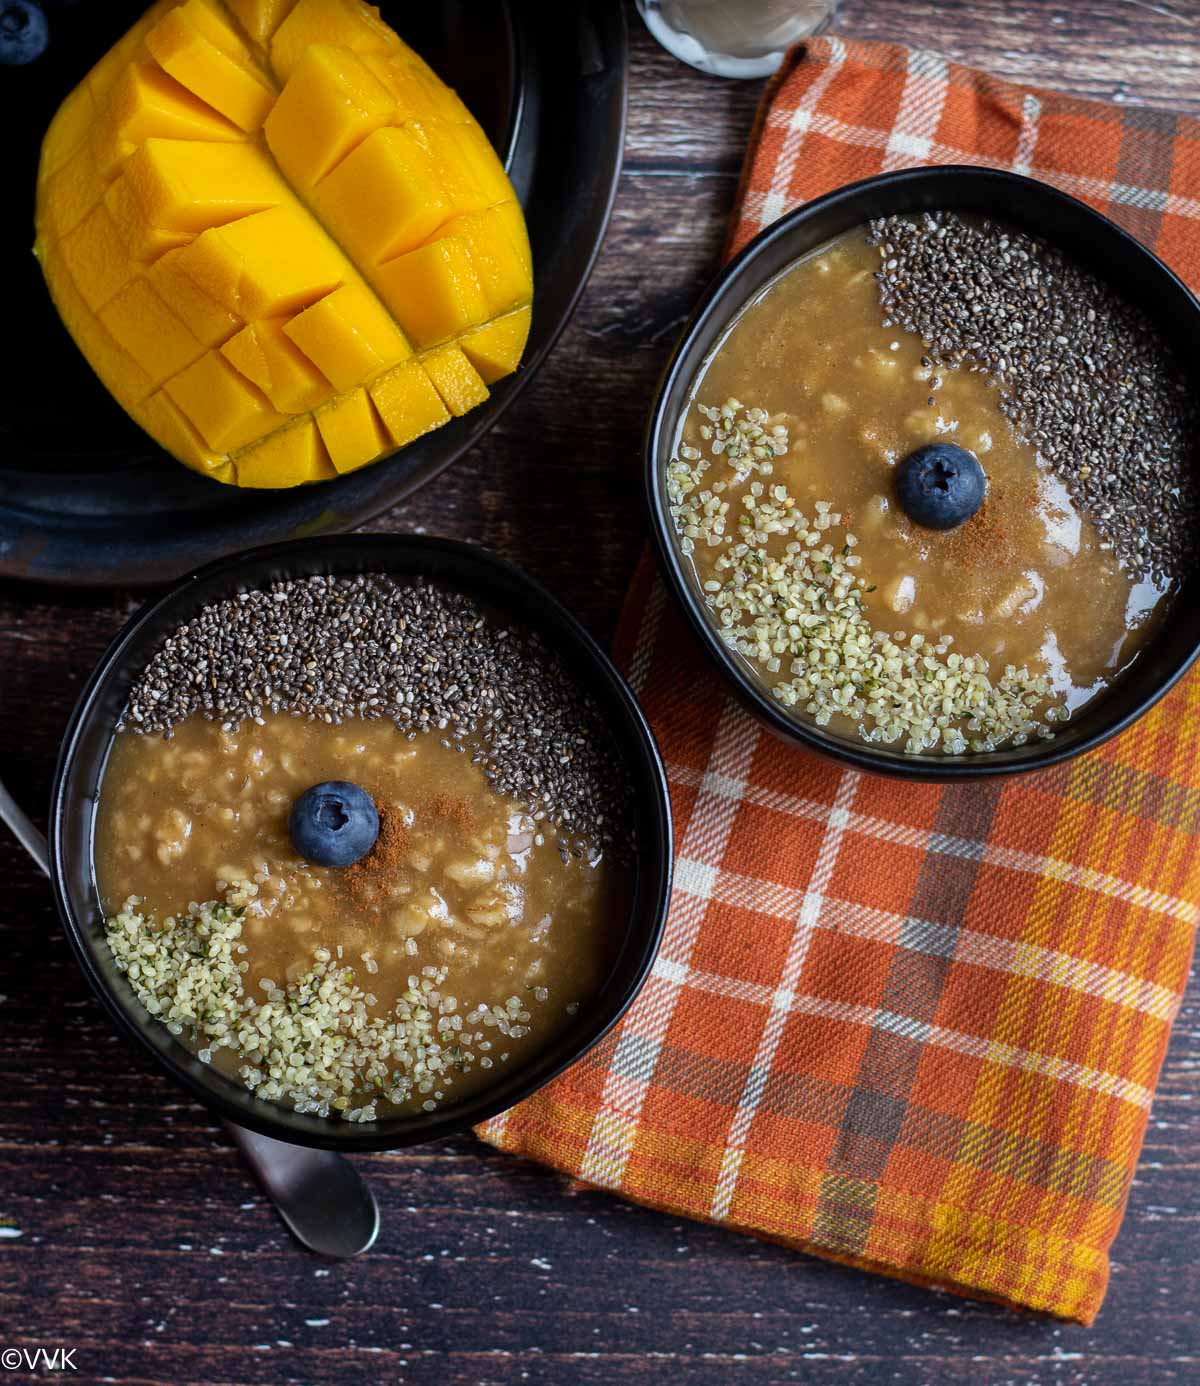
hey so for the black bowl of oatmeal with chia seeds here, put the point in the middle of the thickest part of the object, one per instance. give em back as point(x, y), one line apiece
point(923, 475)
point(364, 838)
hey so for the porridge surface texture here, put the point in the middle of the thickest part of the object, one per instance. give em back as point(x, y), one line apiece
point(1084, 376)
point(457, 948)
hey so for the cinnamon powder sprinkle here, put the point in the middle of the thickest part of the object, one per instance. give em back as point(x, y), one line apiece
point(458, 811)
point(362, 879)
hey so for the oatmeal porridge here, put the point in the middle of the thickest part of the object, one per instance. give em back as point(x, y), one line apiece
point(859, 609)
point(466, 931)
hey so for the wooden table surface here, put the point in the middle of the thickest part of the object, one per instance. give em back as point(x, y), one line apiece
point(129, 1229)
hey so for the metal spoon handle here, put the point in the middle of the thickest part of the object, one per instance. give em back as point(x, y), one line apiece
point(319, 1195)
point(27, 835)
point(322, 1198)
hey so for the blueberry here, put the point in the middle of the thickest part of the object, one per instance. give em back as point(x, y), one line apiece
point(940, 485)
point(334, 824)
point(23, 32)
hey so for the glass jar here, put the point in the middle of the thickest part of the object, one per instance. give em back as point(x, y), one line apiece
point(734, 38)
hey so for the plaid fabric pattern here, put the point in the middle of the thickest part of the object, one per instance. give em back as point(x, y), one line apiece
point(912, 1028)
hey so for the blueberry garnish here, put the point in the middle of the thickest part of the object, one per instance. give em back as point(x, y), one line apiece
point(334, 824)
point(940, 485)
point(23, 32)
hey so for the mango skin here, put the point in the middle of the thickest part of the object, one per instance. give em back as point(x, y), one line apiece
point(280, 239)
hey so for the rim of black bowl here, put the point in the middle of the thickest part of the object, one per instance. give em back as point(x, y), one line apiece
point(1091, 239)
point(514, 595)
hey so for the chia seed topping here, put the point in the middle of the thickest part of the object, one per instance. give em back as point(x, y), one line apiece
point(1085, 378)
point(429, 658)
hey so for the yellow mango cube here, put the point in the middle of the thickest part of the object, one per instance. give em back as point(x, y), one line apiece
point(186, 187)
point(221, 404)
point(462, 189)
point(265, 356)
point(260, 18)
point(482, 160)
point(331, 103)
point(143, 240)
point(433, 292)
point(509, 214)
point(72, 191)
point(349, 336)
point(108, 146)
point(346, 22)
point(195, 61)
point(206, 319)
point(162, 419)
point(383, 198)
point(499, 266)
point(495, 349)
point(116, 368)
point(210, 18)
point(94, 256)
point(407, 403)
point(353, 431)
point(407, 88)
point(455, 379)
point(290, 457)
point(145, 101)
point(149, 331)
point(267, 265)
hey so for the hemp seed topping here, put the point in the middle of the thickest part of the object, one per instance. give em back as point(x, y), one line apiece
point(313, 1043)
point(788, 597)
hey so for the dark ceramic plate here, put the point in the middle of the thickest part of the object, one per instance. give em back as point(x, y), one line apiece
point(1100, 246)
point(87, 498)
point(85, 752)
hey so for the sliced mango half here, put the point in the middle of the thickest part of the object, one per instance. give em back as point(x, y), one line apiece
point(283, 243)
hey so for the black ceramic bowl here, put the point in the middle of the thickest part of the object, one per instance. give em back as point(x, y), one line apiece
point(89, 738)
point(1094, 242)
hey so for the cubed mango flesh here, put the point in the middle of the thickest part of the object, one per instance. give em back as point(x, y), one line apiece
point(95, 257)
point(140, 321)
point(203, 315)
point(353, 431)
point(495, 350)
point(433, 291)
point(455, 379)
point(112, 363)
point(349, 336)
point(221, 404)
point(68, 130)
point(267, 265)
point(408, 403)
point(281, 240)
point(72, 190)
point(208, 71)
point(260, 18)
point(146, 101)
point(348, 23)
point(383, 198)
point(290, 457)
point(269, 359)
point(330, 105)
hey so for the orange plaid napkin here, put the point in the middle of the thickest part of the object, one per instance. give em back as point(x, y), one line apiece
point(911, 1028)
